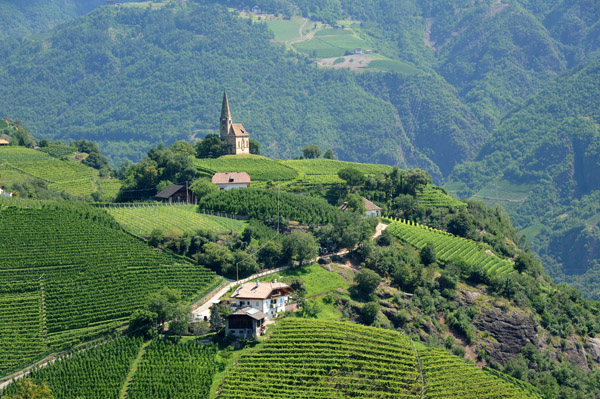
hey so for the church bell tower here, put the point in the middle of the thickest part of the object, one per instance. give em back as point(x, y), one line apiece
point(225, 117)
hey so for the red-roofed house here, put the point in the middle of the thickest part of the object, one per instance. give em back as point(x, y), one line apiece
point(229, 180)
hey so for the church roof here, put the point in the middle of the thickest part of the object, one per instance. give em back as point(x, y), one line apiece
point(225, 112)
point(238, 130)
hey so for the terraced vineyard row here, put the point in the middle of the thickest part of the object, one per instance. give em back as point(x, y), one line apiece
point(449, 246)
point(259, 168)
point(69, 176)
point(174, 370)
point(141, 219)
point(434, 197)
point(93, 373)
point(88, 272)
point(331, 167)
point(448, 376)
point(327, 359)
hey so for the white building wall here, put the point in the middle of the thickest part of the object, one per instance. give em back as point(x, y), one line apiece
point(229, 186)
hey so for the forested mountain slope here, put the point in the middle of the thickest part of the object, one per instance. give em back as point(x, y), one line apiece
point(19, 18)
point(551, 150)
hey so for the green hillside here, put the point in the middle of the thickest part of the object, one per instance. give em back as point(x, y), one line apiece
point(77, 274)
point(328, 359)
point(542, 165)
point(19, 165)
point(141, 219)
point(20, 18)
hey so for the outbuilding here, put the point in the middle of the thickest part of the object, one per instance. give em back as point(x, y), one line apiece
point(4, 142)
point(176, 193)
point(246, 323)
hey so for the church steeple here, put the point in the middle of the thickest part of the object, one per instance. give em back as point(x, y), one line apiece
point(225, 117)
point(225, 113)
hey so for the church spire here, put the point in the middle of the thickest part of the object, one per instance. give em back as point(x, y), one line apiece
point(225, 113)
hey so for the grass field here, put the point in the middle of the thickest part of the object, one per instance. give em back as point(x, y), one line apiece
point(259, 168)
point(178, 219)
point(331, 43)
point(286, 29)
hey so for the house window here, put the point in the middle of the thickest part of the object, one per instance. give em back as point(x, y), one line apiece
point(256, 303)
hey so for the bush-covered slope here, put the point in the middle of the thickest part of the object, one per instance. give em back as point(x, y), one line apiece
point(550, 148)
point(19, 18)
point(320, 359)
point(76, 273)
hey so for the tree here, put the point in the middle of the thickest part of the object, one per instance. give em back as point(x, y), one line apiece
point(299, 246)
point(142, 322)
point(216, 321)
point(26, 389)
point(427, 254)
point(211, 147)
point(367, 281)
point(352, 176)
point(525, 262)
point(416, 180)
point(311, 151)
point(356, 203)
point(329, 154)
point(254, 147)
point(460, 225)
point(369, 312)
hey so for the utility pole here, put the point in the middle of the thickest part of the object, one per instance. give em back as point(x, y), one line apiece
point(187, 195)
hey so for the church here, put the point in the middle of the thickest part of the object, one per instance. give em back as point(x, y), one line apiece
point(236, 136)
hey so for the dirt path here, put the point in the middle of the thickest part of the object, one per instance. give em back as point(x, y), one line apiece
point(20, 374)
point(133, 369)
point(379, 229)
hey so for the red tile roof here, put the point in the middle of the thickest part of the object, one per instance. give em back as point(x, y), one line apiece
point(231, 178)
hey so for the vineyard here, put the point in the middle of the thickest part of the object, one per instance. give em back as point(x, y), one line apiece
point(79, 275)
point(435, 197)
point(329, 359)
point(260, 204)
point(449, 247)
point(141, 219)
point(174, 370)
point(93, 373)
point(70, 176)
point(331, 167)
point(259, 168)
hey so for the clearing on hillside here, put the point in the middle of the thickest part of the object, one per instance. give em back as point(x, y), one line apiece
point(331, 43)
point(330, 359)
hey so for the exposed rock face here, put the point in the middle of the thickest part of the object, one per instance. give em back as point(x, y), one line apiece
point(594, 349)
point(575, 354)
point(510, 332)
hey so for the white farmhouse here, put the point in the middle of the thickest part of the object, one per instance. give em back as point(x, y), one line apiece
point(228, 180)
point(267, 297)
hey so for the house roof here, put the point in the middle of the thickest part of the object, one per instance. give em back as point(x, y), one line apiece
point(239, 130)
point(169, 191)
point(251, 312)
point(4, 142)
point(231, 177)
point(369, 206)
point(261, 291)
